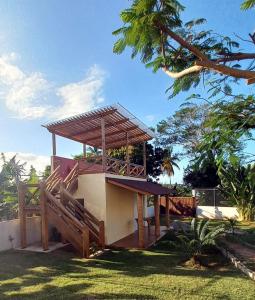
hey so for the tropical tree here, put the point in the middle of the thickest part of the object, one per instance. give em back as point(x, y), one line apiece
point(185, 128)
point(199, 238)
point(238, 186)
point(10, 175)
point(154, 30)
point(169, 163)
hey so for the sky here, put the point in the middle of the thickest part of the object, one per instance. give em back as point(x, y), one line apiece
point(56, 60)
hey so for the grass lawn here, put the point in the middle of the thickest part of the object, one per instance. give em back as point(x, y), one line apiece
point(117, 274)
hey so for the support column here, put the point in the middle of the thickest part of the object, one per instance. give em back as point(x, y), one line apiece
point(127, 154)
point(144, 158)
point(84, 150)
point(22, 215)
point(140, 220)
point(167, 211)
point(54, 148)
point(44, 216)
point(156, 212)
point(103, 144)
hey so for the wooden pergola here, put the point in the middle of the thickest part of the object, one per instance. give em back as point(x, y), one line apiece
point(110, 127)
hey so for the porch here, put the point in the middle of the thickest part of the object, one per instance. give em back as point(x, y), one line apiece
point(149, 238)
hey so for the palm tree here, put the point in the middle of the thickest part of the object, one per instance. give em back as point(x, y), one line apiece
point(200, 236)
point(169, 162)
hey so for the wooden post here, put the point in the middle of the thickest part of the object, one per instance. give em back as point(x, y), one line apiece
point(144, 158)
point(22, 215)
point(84, 150)
point(44, 216)
point(167, 211)
point(156, 212)
point(54, 148)
point(101, 234)
point(103, 143)
point(127, 154)
point(140, 220)
point(85, 242)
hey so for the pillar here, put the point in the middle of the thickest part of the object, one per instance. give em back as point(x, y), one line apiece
point(140, 220)
point(156, 212)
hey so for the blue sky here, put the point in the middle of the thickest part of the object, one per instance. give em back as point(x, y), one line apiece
point(56, 59)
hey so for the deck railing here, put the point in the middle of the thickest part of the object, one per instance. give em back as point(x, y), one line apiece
point(96, 164)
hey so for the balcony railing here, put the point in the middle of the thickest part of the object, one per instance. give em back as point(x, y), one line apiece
point(100, 164)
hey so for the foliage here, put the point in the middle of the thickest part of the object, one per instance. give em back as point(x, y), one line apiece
point(247, 4)
point(46, 172)
point(232, 222)
point(185, 128)
point(200, 237)
point(169, 162)
point(230, 125)
point(10, 175)
point(155, 30)
point(203, 176)
point(238, 186)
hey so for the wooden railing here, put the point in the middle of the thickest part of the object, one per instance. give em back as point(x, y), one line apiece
point(53, 181)
point(71, 180)
point(95, 226)
point(120, 167)
point(68, 225)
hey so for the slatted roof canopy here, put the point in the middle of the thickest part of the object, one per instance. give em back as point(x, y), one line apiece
point(86, 128)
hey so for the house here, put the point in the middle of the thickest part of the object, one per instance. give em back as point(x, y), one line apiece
point(98, 198)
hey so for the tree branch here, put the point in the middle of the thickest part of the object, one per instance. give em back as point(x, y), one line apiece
point(176, 75)
point(205, 63)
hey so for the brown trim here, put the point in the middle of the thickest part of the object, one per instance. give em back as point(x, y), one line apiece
point(127, 187)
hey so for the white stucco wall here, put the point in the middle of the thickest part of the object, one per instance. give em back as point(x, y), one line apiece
point(111, 204)
point(217, 212)
point(91, 187)
point(12, 229)
point(119, 213)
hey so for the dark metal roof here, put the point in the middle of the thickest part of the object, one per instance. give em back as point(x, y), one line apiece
point(143, 187)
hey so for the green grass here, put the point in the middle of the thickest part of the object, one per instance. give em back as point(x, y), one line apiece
point(117, 274)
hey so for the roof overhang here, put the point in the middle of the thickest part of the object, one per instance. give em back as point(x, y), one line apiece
point(142, 187)
point(86, 128)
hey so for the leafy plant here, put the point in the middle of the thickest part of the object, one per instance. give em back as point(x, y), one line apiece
point(238, 186)
point(200, 237)
point(232, 222)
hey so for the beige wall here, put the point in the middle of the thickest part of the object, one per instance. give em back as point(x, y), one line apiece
point(91, 187)
point(12, 229)
point(113, 205)
point(119, 213)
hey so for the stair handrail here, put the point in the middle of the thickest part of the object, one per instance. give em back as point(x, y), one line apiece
point(95, 226)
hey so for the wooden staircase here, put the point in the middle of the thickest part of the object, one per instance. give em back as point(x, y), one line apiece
point(75, 223)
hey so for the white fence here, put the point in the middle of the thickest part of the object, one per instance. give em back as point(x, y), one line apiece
point(10, 233)
point(216, 212)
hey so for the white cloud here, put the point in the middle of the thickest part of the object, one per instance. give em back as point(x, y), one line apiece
point(150, 118)
point(39, 162)
point(81, 96)
point(27, 95)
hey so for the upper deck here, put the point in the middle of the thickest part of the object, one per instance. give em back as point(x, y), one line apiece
point(106, 128)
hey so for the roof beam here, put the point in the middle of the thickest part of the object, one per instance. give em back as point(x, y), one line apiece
point(108, 125)
point(112, 133)
point(69, 121)
point(124, 141)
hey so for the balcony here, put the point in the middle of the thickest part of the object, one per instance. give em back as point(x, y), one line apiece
point(98, 164)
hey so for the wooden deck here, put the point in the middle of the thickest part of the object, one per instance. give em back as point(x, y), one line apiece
point(131, 241)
